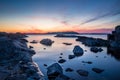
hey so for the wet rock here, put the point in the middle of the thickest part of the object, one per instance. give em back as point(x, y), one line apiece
point(69, 70)
point(82, 72)
point(47, 42)
point(30, 47)
point(62, 61)
point(78, 51)
point(89, 41)
point(61, 53)
point(44, 48)
point(60, 57)
point(95, 49)
point(34, 42)
point(97, 70)
point(54, 70)
point(45, 64)
point(71, 56)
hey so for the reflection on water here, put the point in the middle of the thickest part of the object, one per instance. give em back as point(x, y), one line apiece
point(50, 54)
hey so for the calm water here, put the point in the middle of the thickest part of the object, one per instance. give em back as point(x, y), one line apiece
point(51, 55)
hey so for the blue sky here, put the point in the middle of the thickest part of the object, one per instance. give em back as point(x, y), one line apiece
point(76, 15)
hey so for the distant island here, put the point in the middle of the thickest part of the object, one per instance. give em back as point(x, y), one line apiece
point(67, 32)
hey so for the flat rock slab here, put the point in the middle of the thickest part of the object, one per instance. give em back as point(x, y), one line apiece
point(82, 72)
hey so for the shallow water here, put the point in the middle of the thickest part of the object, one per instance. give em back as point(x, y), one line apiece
point(51, 55)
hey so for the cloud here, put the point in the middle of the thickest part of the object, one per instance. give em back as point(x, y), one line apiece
point(35, 30)
point(115, 10)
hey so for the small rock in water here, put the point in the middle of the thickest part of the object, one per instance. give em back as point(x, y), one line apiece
point(71, 56)
point(97, 70)
point(89, 62)
point(60, 57)
point(44, 48)
point(69, 70)
point(82, 72)
point(62, 61)
point(45, 64)
point(30, 47)
point(61, 53)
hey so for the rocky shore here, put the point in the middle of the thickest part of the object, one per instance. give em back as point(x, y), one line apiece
point(16, 59)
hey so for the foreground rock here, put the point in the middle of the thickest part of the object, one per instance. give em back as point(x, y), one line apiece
point(16, 60)
point(47, 42)
point(95, 49)
point(82, 72)
point(97, 70)
point(55, 72)
point(78, 51)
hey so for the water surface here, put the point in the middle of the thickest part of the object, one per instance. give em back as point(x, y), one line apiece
point(51, 55)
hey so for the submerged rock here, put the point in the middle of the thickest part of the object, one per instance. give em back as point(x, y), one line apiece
point(97, 70)
point(47, 42)
point(82, 72)
point(88, 62)
point(69, 70)
point(78, 51)
point(62, 61)
point(63, 77)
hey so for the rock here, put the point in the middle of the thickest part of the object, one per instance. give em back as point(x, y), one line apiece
point(47, 42)
point(4, 75)
point(69, 70)
point(30, 47)
point(45, 64)
point(78, 51)
point(54, 70)
point(62, 61)
point(71, 56)
point(16, 59)
point(34, 42)
point(97, 70)
point(88, 62)
point(60, 57)
point(89, 41)
point(95, 49)
point(82, 72)
point(67, 43)
point(61, 53)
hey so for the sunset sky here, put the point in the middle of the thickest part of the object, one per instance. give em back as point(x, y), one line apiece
point(40, 16)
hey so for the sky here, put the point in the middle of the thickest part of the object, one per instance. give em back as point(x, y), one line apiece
point(41, 16)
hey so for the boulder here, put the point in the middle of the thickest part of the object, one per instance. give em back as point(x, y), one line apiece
point(54, 70)
point(78, 51)
point(47, 42)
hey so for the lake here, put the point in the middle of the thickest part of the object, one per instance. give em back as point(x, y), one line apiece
point(51, 54)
